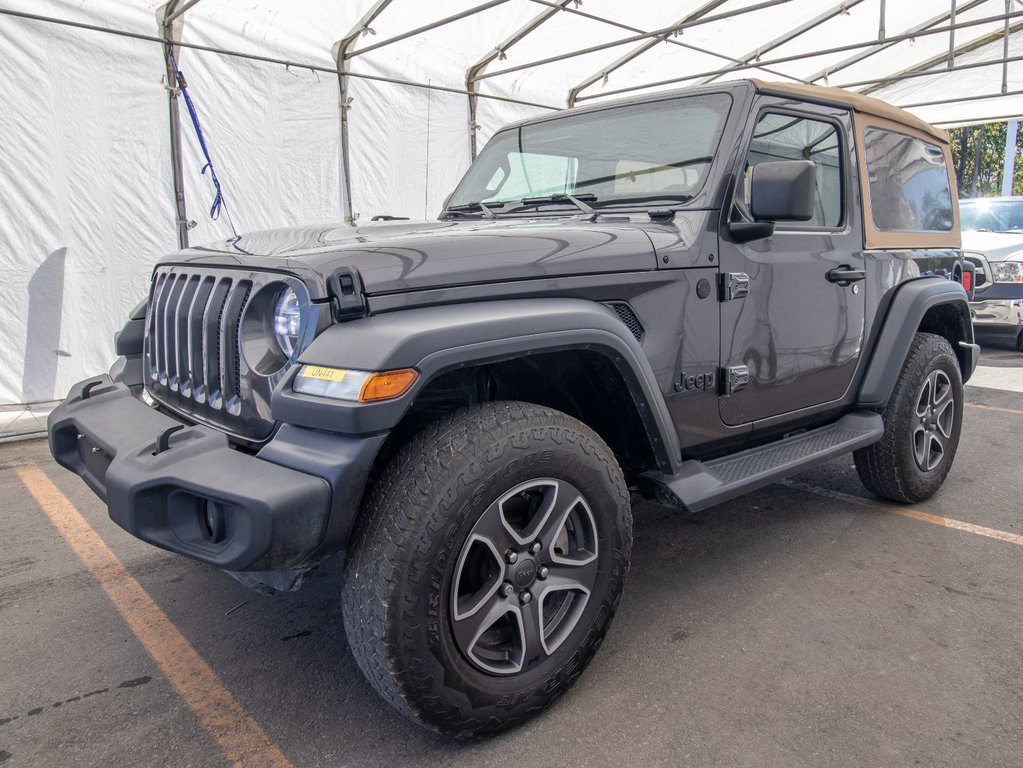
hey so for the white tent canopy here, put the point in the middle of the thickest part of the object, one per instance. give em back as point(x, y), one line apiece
point(94, 186)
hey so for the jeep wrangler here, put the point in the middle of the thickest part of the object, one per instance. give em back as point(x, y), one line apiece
point(688, 296)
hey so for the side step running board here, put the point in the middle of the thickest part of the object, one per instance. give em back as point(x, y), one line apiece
point(701, 484)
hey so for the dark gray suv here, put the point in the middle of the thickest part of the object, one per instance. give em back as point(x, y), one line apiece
point(688, 295)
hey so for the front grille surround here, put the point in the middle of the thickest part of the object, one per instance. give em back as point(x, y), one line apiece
point(193, 358)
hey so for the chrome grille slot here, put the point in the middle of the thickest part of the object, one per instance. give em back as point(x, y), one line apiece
point(182, 381)
point(230, 363)
point(193, 348)
point(211, 342)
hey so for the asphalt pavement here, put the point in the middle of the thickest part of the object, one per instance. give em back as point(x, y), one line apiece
point(807, 624)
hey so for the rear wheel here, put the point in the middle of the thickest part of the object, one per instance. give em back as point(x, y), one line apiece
point(922, 422)
point(487, 566)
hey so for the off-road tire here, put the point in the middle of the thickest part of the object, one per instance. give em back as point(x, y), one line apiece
point(889, 468)
point(397, 604)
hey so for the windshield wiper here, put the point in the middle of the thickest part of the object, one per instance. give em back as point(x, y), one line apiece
point(563, 197)
point(677, 199)
point(484, 208)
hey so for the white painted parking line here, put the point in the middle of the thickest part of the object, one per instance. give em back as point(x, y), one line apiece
point(1010, 379)
point(907, 511)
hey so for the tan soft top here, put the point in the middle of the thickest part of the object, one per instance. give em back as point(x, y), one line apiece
point(855, 101)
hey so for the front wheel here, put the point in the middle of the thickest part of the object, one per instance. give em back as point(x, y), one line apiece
point(487, 565)
point(922, 422)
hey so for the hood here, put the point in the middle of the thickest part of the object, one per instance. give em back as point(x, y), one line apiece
point(405, 256)
point(996, 246)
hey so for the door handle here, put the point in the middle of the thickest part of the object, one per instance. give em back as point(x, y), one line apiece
point(845, 275)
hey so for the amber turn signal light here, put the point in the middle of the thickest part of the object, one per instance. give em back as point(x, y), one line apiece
point(388, 385)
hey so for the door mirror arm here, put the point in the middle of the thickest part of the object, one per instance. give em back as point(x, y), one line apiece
point(747, 231)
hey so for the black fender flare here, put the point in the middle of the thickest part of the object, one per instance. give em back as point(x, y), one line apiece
point(438, 339)
point(906, 310)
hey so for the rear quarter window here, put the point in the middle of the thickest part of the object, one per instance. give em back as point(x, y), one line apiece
point(908, 182)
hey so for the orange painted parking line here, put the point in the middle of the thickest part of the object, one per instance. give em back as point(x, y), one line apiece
point(242, 740)
point(910, 512)
point(993, 408)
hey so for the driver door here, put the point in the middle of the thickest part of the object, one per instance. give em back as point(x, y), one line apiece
point(791, 336)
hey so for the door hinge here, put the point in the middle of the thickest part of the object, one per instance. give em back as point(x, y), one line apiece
point(734, 285)
point(736, 378)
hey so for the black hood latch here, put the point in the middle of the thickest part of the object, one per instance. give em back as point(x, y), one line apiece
point(346, 297)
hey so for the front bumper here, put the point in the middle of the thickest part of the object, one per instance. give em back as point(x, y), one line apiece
point(185, 489)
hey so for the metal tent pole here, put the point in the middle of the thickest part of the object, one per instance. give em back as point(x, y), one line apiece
point(342, 63)
point(180, 11)
point(805, 55)
point(925, 68)
point(472, 74)
point(958, 99)
point(632, 38)
point(312, 67)
point(170, 22)
point(635, 53)
point(1009, 160)
point(667, 38)
point(754, 55)
point(427, 27)
point(888, 43)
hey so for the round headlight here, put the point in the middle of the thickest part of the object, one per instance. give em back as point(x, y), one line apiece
point(288, 321)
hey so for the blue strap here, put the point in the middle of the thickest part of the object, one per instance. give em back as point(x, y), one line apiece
point(218, 199)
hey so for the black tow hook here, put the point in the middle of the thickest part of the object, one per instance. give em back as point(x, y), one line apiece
point(163, 441)
point(87, 389)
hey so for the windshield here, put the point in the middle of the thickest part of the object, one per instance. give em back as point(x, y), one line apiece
point(659, 151)
point(991, 215)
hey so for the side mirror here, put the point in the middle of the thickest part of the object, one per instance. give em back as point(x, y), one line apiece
point(783, 190)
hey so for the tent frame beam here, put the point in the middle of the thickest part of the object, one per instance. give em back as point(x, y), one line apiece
point(664, 32)
point(960, 99)
point(169, 18)
point(754, 56)
point(499, 52)
point(911, 75)
point(811, 54)
point(669, 39)
point(927, 67)
point(426, 27)
point(884, 45)
point(269, 59)
point(635, 53)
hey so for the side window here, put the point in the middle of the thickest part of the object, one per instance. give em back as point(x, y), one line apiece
point(532, 175)
point(787, 137)
point(909, 188)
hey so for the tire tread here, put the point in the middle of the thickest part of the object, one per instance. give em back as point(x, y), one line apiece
point(417, 489)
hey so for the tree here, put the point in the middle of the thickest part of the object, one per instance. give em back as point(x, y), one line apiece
point(977, 153)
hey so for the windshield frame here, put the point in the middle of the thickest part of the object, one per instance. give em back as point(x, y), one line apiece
point(465, 204)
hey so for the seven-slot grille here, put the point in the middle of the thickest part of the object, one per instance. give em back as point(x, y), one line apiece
point(193, 355)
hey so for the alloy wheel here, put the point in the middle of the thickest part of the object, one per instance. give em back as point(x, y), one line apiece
point(934, 419)
point(524, 576)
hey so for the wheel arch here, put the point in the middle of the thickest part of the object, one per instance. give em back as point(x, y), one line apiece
point(930, 305)
point(535, 350)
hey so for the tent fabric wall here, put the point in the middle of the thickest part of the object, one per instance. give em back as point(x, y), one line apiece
point(86, 171)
